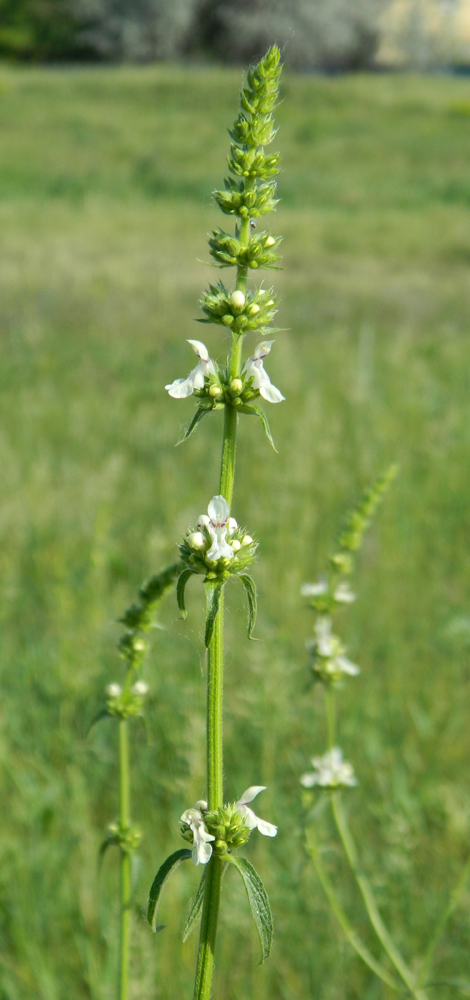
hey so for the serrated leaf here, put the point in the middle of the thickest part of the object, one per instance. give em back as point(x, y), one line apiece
point(180, 589)
point(165, 872)
point(258, 900)
point(195, 908)
point(199, 414)
point(213, 592)
point(259, 412)
point(250, 590)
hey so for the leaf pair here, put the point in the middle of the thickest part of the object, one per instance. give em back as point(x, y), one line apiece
point(213, 595)
point(257, 896)
point(251, 410)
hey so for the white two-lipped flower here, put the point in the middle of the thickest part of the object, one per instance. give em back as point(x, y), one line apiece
point(202, 848)
point(331, 771)
point(183, 387)
point(218, 522)
point(253, 821)
point(330, 649)
point(254, 368)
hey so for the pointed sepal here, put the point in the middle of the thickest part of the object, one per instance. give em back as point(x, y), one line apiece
point(259, 412)
point(258, 900)
point(165, 872)
point(196, 906)
point(251, 595)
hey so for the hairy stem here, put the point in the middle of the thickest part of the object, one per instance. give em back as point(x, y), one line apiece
point(125, 887)
point(215, 680)
point(215, 766)
point(369, 901)
point(445, 916)
point(343, 921)
point(210, 915)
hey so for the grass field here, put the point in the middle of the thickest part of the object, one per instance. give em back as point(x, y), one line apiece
point(105, 181)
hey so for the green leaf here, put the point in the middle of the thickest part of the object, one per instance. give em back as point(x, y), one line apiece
point(258, 900)
point(164, 873)
point(102, 714)
point(214, 591)
point(258, 412)
point(195, 908)
point(180, 589)
point(199, 414)
point(250, 589)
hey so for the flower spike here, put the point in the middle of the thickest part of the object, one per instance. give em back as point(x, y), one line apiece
point(183, 387)
point(331, 771)
point(251, 819)
point(254, 369)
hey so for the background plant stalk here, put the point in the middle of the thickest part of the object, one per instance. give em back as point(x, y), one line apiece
point(125, 874)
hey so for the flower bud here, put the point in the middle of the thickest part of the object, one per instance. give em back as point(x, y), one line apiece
point(232, 524)
point(236, 385)
point(237, 299)
point(215, 390)
point(228, 319)
point(253, 309)
point(113, 690)
point(139, 645)
point(247, 540)
point(140, 688)
point(270, 241)
point(236, 545)
point(196, 540)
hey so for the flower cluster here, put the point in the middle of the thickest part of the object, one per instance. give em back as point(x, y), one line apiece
point(259, 251)
point(224, 829)
point(125, 703)
point(206, 380)
point(240, 311)
point(330, 771)
point(329, 663)
point(217, 545)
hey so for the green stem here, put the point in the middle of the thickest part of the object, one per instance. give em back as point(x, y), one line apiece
point(215, 766)
point(370, 904)
point(215, 680)
point(210, 916)
point(331, 716)
point(125, 888)
point(343, 921)
point(445, 916)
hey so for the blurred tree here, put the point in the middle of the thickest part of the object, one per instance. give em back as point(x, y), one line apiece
point(40, 29)
point(135, 30)
point(324, 34)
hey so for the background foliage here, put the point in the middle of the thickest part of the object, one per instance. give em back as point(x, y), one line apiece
point(105, 181)
point(317, 33)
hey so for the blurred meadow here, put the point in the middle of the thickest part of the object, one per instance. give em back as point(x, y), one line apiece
point(105, 181)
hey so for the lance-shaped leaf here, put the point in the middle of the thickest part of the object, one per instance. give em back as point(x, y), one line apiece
point(257, 411)
point(250, 590)
point(199, 414)
point(102, 714)
point(180, 589)
point(164, 873)
point(195, 907)
point(258, 900)
point(213, 592)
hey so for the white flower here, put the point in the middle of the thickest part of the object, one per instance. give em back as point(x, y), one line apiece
point(140, 688)
point(113, 690)
point(202, 849)
point(343, 593)
point(329, 651)
point(331, 771)
point(252, 821)
point(261, 381)
point(314, 589)
point(218, 511)
point(182, 387)
point(237, 299)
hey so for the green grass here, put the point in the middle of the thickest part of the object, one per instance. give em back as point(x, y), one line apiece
point(105, 181)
